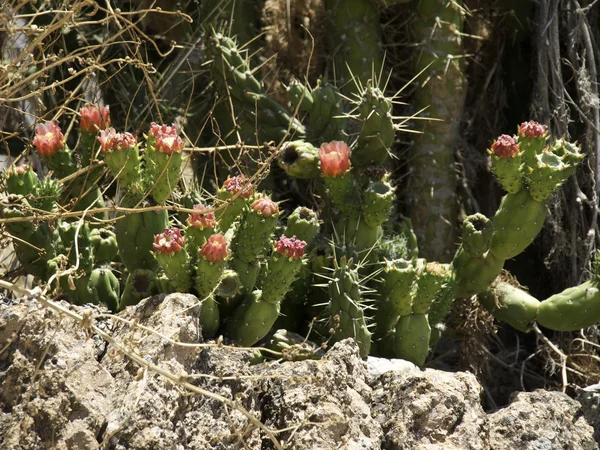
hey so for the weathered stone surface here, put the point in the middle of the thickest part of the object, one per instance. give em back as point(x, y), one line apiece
point(61, 387)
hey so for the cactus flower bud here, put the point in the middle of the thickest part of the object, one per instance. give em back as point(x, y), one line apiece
point(48, 139)
point(239, 184)
point(215, 249)
point(291, 248)
point(505, 147)
point(111, 140)
point(202, 219)
point(169, 242)
point(94, 118)
point(265, 207)
point(335, 159)
point(166, 137)
point(532, 130)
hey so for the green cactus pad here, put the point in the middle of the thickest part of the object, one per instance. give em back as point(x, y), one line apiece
point(162, 173)
point(230, 285)
point(298, 94)
point(572, 309)
point(299, 159)
point(209, 316)
point(253, 235)
point(477, 234)
point(345, 308)
point(344, 194)
point(277, 276)
point(46, 195)
point(396, 291)
point(474, 275)
point(68, 234)
point(207, 276)
point(442, 302)
point(511, 305)
point(140, 284)
point(412, 338)
point(508, 173)
point(293, 346)
point(517, 222)
point(177, 269)
point(135, 233)
point(124, 164)
point(253, 320)
point(430, 279)
point(326, 118)
point(247, 272)
point(378, 201)
point(550, 169)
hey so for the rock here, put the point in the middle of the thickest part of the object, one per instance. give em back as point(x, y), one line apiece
point(61, 387)
point(541, 420)
point(590, 407)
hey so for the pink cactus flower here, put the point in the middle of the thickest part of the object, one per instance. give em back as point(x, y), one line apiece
point(505, 147)
point(202, 219)
point(239, 184)
point(169, 242)
point(110, 140)
point(215, 249)
point(265, 207)
point(94, 118)
point(532, 130)
point(166, 137)
point(48, 139)
point(335, 159)
point(292, 248)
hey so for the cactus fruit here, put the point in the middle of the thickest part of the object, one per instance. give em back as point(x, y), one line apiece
point(209, 317)
point(173, 259)
point(431, 277)
point(506, 163)
point(163, 159)
point(379, 197)
point(211, 264)
point(122, 156)
point(298, 94)
point(20, 180)
point(335, 167)
point(47, 193)
point(346, 307)
point(102, 288)
point(104, 245)
point(511, 305)
point(303, 223)
point(299, 159)
point(477, 234)
point(140, 284)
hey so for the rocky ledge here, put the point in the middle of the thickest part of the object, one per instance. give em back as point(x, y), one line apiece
point(63, 387)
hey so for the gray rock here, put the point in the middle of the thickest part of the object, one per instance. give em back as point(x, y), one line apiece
point(61, 387)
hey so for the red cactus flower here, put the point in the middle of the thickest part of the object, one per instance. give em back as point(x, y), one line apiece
point(48, 139)
point(202, 219)
point(94, 118)
point(214, 249)
point(505, 146)
point(265, 207)
point(335, 158)
point(292, 248)
point(166, 137)
point(239, 184)
point(169, 242)
point(532, 130)
point(110, 140)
